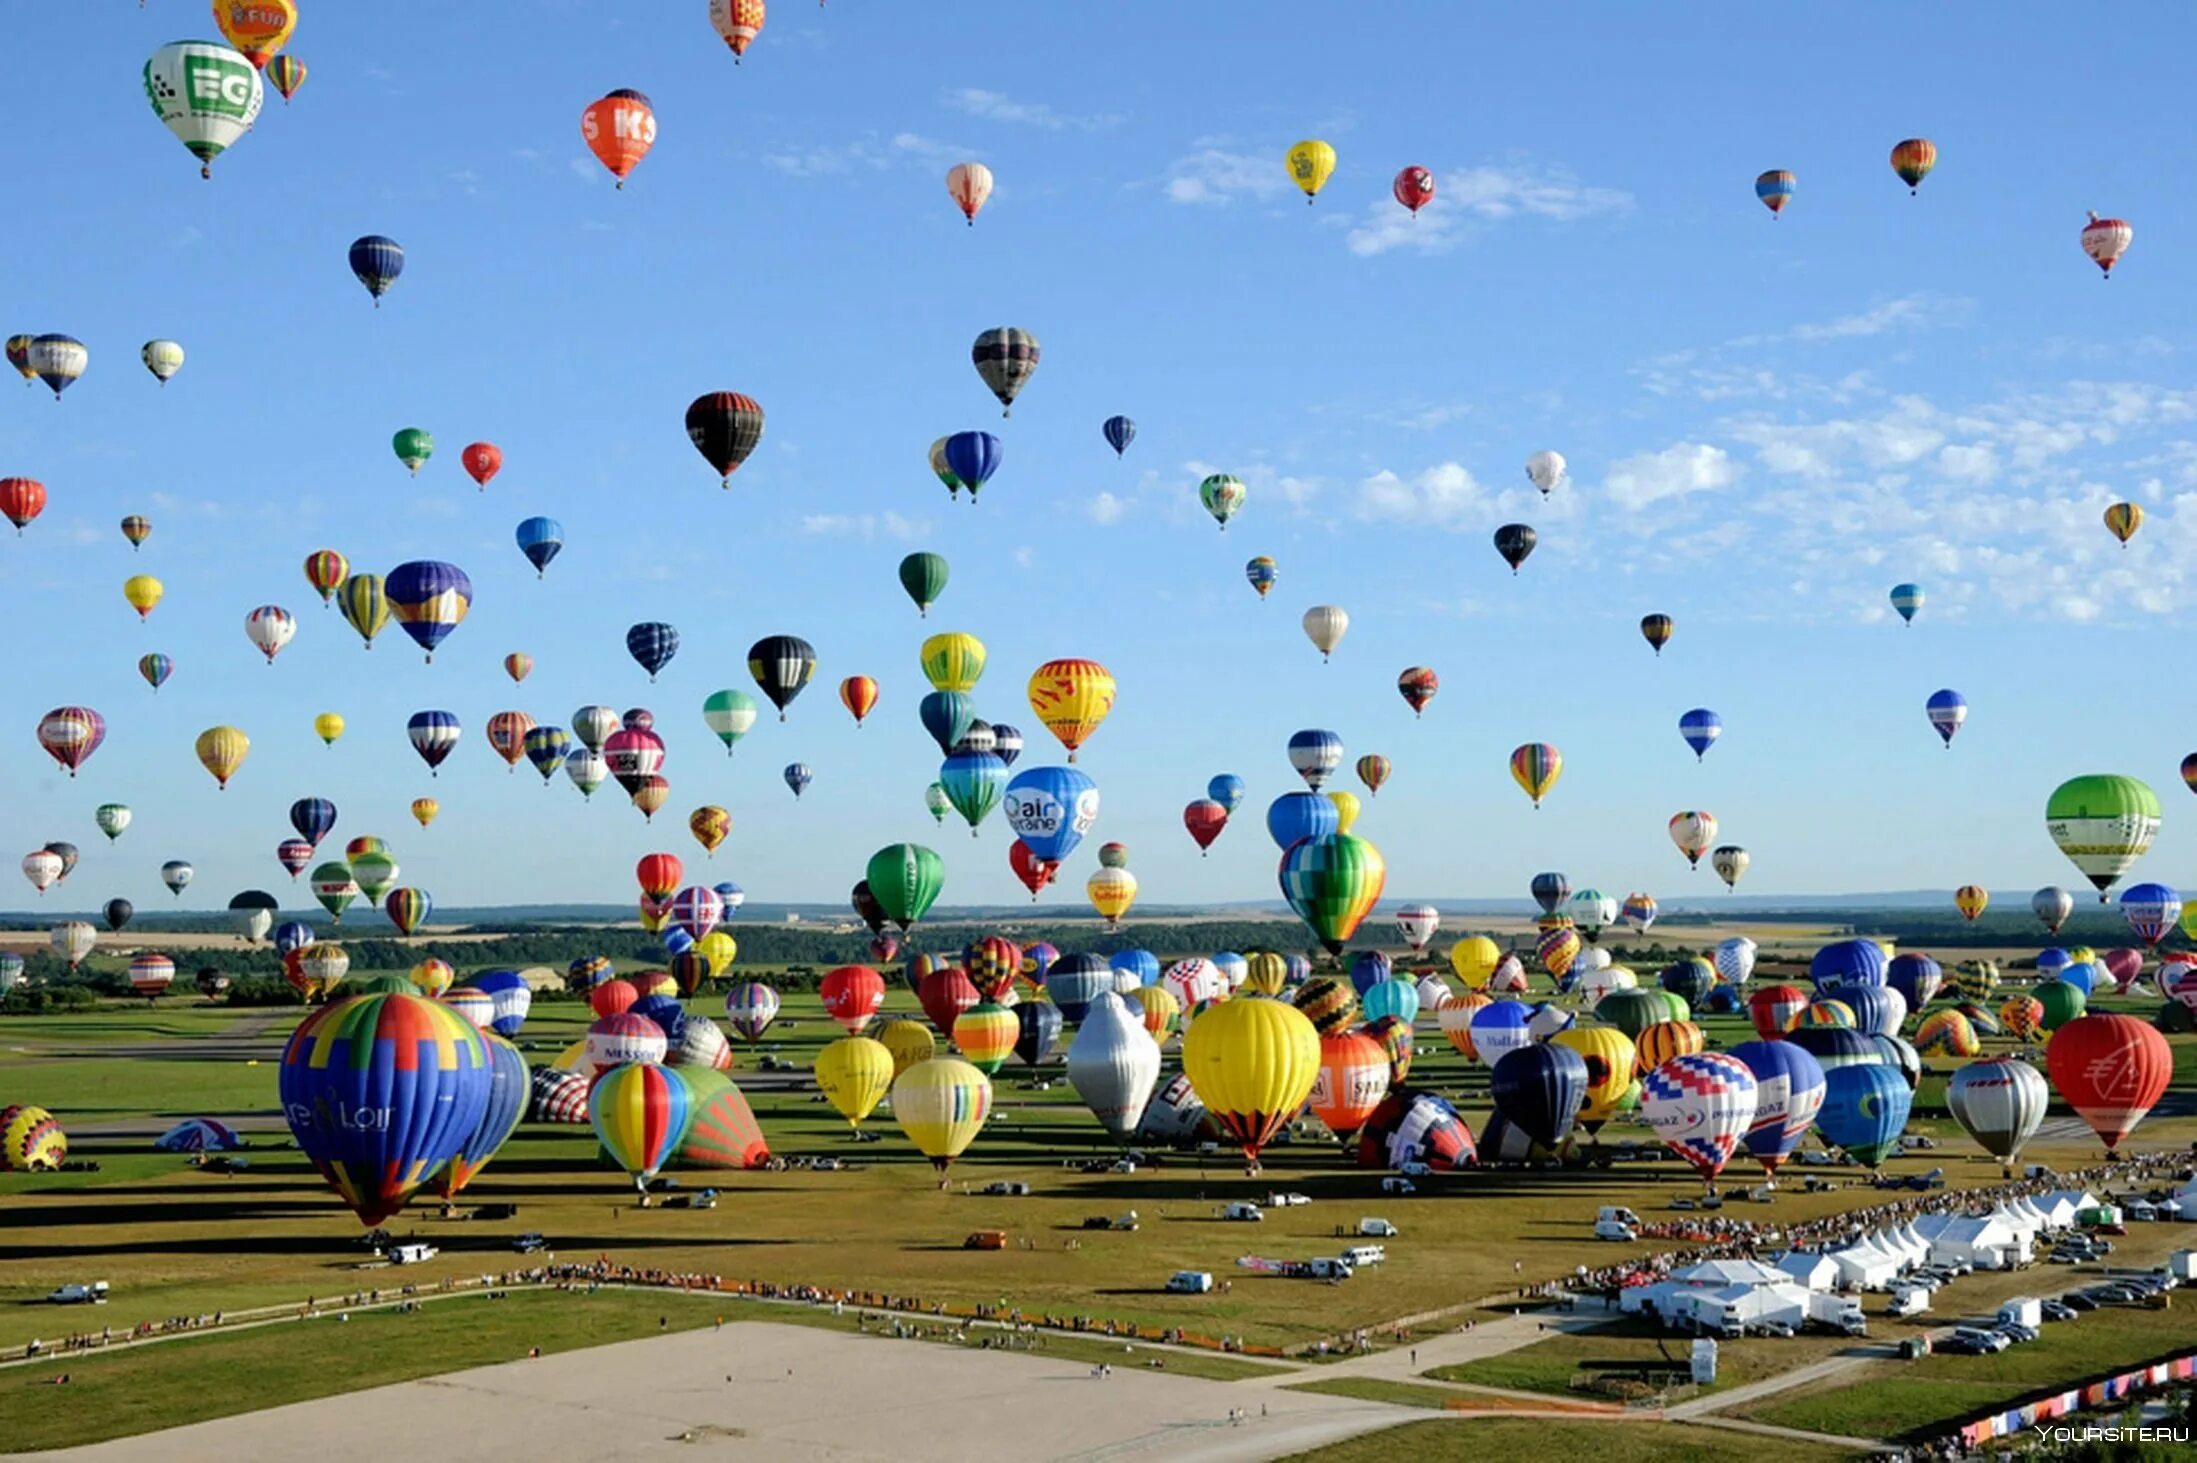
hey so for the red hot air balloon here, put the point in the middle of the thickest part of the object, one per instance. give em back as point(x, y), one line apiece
point(945, 994)
point(1417, 686)
point(2111, 1069)
point(852, 994)
point(1205, 819)
point(483, 460)
point(619, 129)
point(1034, 872)
point(1414, 188)
point(659, 874)
point(22, 499)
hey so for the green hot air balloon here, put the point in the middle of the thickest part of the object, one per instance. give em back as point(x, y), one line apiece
point(376, 873)
point(730, 714)
point(905, 879)
point(413, 447)
point(334, 887)
point(924, 577)
point(2103, 822)
point(1333, 883)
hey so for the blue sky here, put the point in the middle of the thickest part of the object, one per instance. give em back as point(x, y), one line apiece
point(1768, 422)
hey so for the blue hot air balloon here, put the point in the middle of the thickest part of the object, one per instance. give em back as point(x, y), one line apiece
point(1369, 969)
point(2080, 974)
point(973, 457)
point(1848, 963)
point(513, 998)
point(1075, 981)
point(1915, 976)
point(428, 598)
point(1864, 1110)
point(1227, 789)
point(1500, 1028)
point(1550, 891)
point(1120, 432)
point(540, 539)
point(380, 1091)
point(313, 817)
point(1315, 754)
point(510, 1090)
point(1398, 998)
point(1701, 727)
point(1039, 1023)
point(546, 747)
point(1538, 1089)
point(1837, 1046)
point(1788, 1094)
point(974, 783)
point(666, 1012)
point(652, 643)
point(1142, 964)
point(1907, 599)
point(2151, 911)
point(292, 934)
point(798, 776)
point(1878, 1009)
point(1295, 816)
point(1007, 741)
point(1049, 808)
point(946, 715)
point(1947, 710)
point(434, 734)
point(377, 261)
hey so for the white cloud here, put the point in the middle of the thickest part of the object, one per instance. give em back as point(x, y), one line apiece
point(1106, 509)
point(998, 107)
point(1908, 312)
point(870, 153)
point(1214, 175)
point(1447, 495)
point(586, 169)
point(865, 525)
point(1675, 472)
point(1973, 463)
point(1469, 201)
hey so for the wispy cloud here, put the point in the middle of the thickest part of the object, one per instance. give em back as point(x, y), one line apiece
point(1215, 175)
point(995, 106)
point(1106, 509)
point(1447, 495)
point(1472, 201)
point(871, 152)
point(865, 526)
point(1674, 472)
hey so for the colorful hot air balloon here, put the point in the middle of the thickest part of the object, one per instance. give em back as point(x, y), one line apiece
point(70, 734)
point(2105, 240)
point(407, 909)
point(429, 599)
point(1865, 1108)
point(2112, 1070)
point(1413, 187)
point(1262, 574)
point(382, 1090)
point(1656, 630)
point(1907, 600)
point(1252, 1063)
point(1700, 1105)
point(325, 570)
point(640, 1112)
point(1222, 495)
point(1913, 159)
point(1693, 831)
point(1775, 189)
point(941, 1105)
point(1333, 883)
point(546, 747)
point(859, 695)
point(269, 628)
point(969, 184)
point(1005, 359)
point(1071, 698)
point(1971, 900)
point(725, 427)
point(1535, 768)
point(1311, 162)
point(2103, 823)
point(738, 23)
point(288, 74)
point(619, 128)
point(142, 591)
point(782, 665)
point(207, 95)
point(2122, 520)
point(221, 751)
point(434, 734)
point(1050, 809)
point(1111, 893)
point(1374, 770)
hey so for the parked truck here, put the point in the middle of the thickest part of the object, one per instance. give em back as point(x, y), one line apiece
point(2023, 1310)
point(1837, 1312)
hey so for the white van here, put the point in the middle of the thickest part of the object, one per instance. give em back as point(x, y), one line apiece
point(2022, 1310)
point(1378, 1229)
point(1242, 1210)
point(1611, 1229)
point(1189, 1282)
point(94, 1294)
point(1360, 1256)
point(411, 1254)
point(1617, 1214)
point(1328, 1269)
point(1908, 1300)
point(1395, 1185)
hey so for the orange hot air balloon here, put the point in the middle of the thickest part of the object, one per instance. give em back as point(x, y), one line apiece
point(619, 129)
point(258, 28)
point(518, 665)
point(483, 460)
point(1913, 160)
point(507, 736)
point(739, 22)
point(658, 874)
point(858, 694)
point(325, 570)
point(709, 825)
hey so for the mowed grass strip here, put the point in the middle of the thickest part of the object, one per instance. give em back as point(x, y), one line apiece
point(1464, 1439)
point(1632, 1348)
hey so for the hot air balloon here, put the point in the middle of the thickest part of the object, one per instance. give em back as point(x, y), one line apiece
point(1700, 727)
point(1374, 770)
point(852, 996)
point(1515, 541)
point(725, 427)
point(1700, 1105)
point(117, 913)
point(1352, 1080)
point(1111, 893)
point(1325, 626)
point(19, 356)
point(1775, 189)
point(1865, 1108)
point(413, 447)
point(1333, 883)
point(1656, 630)
point(619, 128)
point(269, 628)
point(941, 1105)
point(163, 358)
point(1310, 164)
point(858, 694)
point(142, 591)
point(1693, 831)
point(407, 909)
point(969, 184)
point(905, 879)
point(1916, 977)
point(540, 539)
point(640, 1111)
point(150, 974)
point(2105, 240)
point(325, 570)
point(288, 74)
point(1222, 495)
point(782, 665)
point(42, 868)
point(1538, 1088)
point(1535, 768)
point(429, 599)
point(2052, 905)
point(1119, 433)
point(1413, 187)
point(2103, 823)
point(434, 734)
point(1114, 1063)
point(377, 261)
point(1252, 1063)
point(738, 22)
point(798, 775)
point(112, 818)
point(155, 669)
point(207, 95)
point(972, 458)
point(750, 1008)
point(1907, 600)
point(1971, 900)
point(2000, 1102)
point(221, 751)
point(1071, 698)
point(1005, 358)
point(1947, 711)
point(1262, 574)
point(1913, 159)
point(923, 576)
point(380, 1091)
point(22, 499)
point(2122, 520)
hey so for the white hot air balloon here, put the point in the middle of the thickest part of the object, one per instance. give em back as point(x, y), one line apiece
point(74, 940)
point(1693, 831)
point(1700, 1106)
point(969, 184)
point(112, 818)
point(1325, 626)
point(206, 94)
point(1735, 961)
point(1730, 862)
point(2052, 905)
point(42, 869)
point(269, 628)
point(1114, 1064)
point(1999, 1102)
point(1434, 994)
point(1417, 923)
point(592, 726)
point(1546, 471)
point(163, 358)
point(177, 875)
point(588, 770)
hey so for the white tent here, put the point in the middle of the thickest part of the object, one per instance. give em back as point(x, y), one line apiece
point(1985, 1243)
point(1728, 1272)
point(1810, 1269)
point(1863, 1266)
point(1750, 1305)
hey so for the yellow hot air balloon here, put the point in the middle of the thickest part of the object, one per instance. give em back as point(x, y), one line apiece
point(425, 810)
point(1347, 808)
point(1071, 697)
point(941, 1105)
point(1252, 1063)
point(1159, 1007)
point(720, 949)
point(328, 726)
point(2121, 520)
point(953, 661)
point(909, 1042)
point(854, 1073)
point(1111, 892)
point(1970, 900)
point(1610, 1058)
point(709, 824)
point(221, 751)
point(1311, 162)
point(143, 592)
point(1265, 973)
point(1474, 959)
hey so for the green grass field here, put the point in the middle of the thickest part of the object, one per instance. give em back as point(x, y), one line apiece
point(172, 1240)
point(1470, 1439)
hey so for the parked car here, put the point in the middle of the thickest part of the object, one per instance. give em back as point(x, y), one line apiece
point(1286, 1201)
point(1242, 1211)
point(529, 1243)
point(1008, 1187)
point(1395, 1185)
point(2077, 1302)
point(2053, 1310)
point(80, 1295)
point(1189, 1282)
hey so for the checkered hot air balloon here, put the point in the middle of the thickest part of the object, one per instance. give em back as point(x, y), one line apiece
point(1700, 1105)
